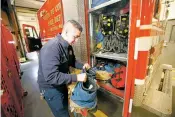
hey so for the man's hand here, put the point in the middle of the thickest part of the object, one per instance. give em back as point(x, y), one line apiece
point(86, 66)
point(82, 77)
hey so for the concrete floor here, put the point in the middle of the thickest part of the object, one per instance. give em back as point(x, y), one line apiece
point(110, 106)
point(33, 105)
point(169, 58)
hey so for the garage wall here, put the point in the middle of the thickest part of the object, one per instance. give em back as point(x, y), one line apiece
point(169, 28)
point(83, 46)
point(74, 9)
point(70, 9)
point(27, 16)
point(171, 10)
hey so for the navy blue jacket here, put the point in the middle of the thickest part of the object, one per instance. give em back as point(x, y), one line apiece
point(55, 57)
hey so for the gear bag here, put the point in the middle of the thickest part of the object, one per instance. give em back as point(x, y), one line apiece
point(118, 78)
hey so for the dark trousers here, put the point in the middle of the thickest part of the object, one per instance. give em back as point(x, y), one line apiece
point(57, 99)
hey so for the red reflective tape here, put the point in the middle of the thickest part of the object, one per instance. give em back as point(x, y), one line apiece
point(141, 64)
point(144, 33)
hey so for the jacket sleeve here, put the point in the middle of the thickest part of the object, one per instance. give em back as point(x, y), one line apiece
point(50, 65)
point(78, 64)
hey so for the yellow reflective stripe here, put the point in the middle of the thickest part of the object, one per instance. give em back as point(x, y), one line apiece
point(99, 113)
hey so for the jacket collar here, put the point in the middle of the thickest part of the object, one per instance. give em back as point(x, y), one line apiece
point(63, 42)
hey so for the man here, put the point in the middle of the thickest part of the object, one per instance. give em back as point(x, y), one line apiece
point(54, 67)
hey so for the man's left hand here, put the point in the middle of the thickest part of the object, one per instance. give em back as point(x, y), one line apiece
point(86, 66)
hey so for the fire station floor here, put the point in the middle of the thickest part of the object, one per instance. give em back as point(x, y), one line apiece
point(108, 106)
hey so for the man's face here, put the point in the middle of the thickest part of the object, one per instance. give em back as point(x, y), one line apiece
point(73, 35)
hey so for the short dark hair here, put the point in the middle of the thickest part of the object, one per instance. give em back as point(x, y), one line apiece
point(76, 25)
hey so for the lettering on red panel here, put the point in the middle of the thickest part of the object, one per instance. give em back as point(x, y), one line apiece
point(50, 17)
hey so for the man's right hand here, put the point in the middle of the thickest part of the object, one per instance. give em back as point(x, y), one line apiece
point(82, 77)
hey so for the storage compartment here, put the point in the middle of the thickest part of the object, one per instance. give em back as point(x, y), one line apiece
point(109, 29)
point(111, 75)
